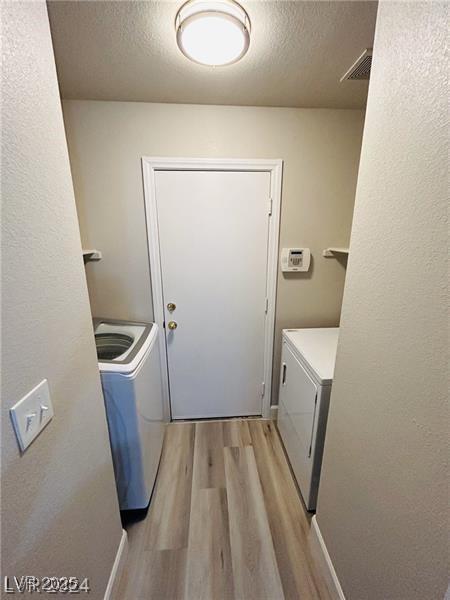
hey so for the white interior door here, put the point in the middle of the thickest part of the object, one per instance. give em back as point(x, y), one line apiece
point(213, 237)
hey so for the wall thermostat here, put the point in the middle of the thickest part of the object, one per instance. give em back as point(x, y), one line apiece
point(295, 259)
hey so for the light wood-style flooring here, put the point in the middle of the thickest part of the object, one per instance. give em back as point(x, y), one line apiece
point(225, 521)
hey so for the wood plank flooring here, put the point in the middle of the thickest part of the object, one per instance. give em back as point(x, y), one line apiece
point(225, 522)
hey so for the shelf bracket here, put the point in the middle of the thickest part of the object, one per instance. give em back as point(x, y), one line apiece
point(91, 255)
point(331, 252)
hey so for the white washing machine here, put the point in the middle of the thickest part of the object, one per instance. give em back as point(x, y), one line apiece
point(307, 368)
point(130, 369)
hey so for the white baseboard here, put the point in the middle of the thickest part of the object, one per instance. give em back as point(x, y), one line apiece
point(320, 551)
point(274, 412)
point(117, 569)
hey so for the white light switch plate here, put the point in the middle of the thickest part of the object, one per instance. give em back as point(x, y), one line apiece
point(31, 414)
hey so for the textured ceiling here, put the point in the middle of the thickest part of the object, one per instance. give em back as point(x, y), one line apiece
point(115, 50)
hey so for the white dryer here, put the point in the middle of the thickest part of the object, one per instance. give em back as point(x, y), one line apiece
point(307, 368)
point(130, 369)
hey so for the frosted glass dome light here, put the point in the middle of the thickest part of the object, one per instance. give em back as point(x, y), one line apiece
point(213, 33)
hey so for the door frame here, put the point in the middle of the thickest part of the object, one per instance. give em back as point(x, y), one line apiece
point(150, 165)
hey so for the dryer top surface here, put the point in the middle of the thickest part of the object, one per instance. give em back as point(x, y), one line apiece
point(315, 347)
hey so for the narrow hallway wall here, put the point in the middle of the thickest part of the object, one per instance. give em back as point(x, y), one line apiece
point(60, 515)
point(383, 497)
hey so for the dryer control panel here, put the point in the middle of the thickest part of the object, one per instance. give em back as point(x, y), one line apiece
point(295, 259)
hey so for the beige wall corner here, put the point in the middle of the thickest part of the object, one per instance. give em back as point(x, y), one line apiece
point(60, 515)
point(383, 497)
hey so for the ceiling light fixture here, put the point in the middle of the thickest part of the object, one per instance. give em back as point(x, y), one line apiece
point(213, 33)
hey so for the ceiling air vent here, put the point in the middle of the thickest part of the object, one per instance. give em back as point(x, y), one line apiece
point(360, 69)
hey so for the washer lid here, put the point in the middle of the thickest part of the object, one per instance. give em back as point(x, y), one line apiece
point(143, 335)
point(316, 349)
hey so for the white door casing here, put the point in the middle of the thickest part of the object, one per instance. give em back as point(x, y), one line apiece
point(213, 251)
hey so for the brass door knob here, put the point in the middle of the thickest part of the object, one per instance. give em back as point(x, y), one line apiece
point(172, 325)
point(171, 307)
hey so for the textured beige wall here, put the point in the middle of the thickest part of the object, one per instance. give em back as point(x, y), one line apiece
point(383, 503)
point(320, 149)
point(60, 514)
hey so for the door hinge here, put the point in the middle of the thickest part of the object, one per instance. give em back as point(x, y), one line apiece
point(270, 206)
point(263, 389)
point(267, 306)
